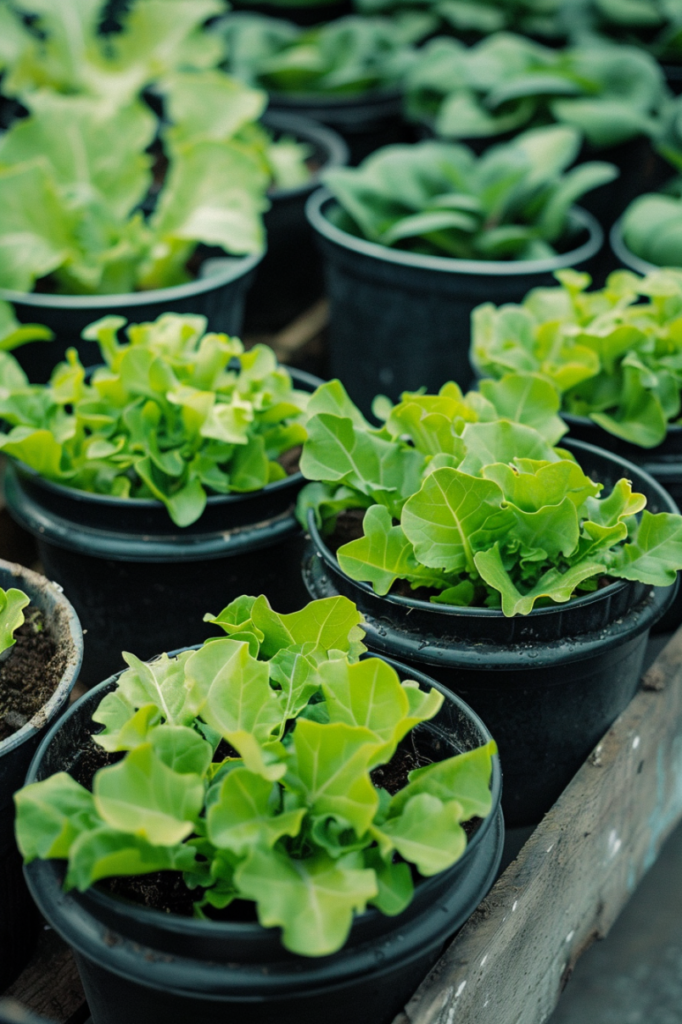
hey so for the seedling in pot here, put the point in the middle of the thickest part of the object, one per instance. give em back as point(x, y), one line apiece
point(250, 767)
point(468, 500)
point(612, 356)
point(175, 414)
point(535, 17)
point(512, 203)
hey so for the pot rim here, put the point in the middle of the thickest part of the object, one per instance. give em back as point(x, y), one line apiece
point(309, 130)
point(493, 614)
point(446, 264)
point(70, 622)
point(587, 421)
point(76, 494)
point(238, 266)
point(206, 928)
point(339, 100)
point(625, 255)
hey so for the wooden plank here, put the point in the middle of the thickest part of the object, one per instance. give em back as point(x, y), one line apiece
point(570, 881)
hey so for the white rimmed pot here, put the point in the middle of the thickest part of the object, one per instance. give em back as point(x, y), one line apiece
point(400, 320)
point(18, 920)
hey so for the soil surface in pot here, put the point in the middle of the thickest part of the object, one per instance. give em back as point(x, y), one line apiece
point(31, 673)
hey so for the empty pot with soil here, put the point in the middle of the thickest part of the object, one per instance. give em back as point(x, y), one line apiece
point(366, 877)
point(37, 675)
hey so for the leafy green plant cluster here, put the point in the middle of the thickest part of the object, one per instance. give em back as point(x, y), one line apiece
point(613, 357)
point(609, 92)
point(92, 217)
point(468, 497)
point(290, 818)
point(346, 57)
point(467, 17)
point(12, 604)
point(174, 414)
point(441, 199)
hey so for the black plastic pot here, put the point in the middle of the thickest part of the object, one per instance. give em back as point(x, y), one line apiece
point(366, 122)
point(138, 582)
point(549, 684)
point(401, 320)
point(289, 277)
point(219, 296)
point(18, 919)
point(144, 967)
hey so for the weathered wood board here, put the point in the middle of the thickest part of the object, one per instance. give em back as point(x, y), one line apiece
point(572, 878)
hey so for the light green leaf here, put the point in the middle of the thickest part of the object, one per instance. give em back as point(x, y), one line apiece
point(50, 815)
point(654, 555)
point(312, 900)
point(245, 814)
point(427, 833)
point(105, 853)
point(556, 585)
point(144, 797)
point(330, 771)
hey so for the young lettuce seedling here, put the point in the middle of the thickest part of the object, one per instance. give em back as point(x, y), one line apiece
point(250, 766)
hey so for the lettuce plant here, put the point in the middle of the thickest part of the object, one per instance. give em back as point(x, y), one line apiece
point(653, 24)
point(73, 212)
point(468, 497)
point(609, 93)
point(287, 815)
point(174, 414)
point(613, 357)
point(440, 198)
point(12, 604)
point(345, 57)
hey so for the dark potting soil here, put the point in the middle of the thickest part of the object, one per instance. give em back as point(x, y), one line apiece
point(289, 461)
point(393, 776)
point(89, 760)
point(31, 673)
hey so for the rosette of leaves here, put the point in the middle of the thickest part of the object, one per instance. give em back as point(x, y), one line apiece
point(290, 818)
point(440, 198)
point(74, 212)
point(468, 497)
point(614, 358)
point(609, 93)
point(345, 57)
point(535, 17)
point(175, 414)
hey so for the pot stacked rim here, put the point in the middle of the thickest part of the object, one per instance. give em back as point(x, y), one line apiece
point(624, 255)
point(241, 961)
